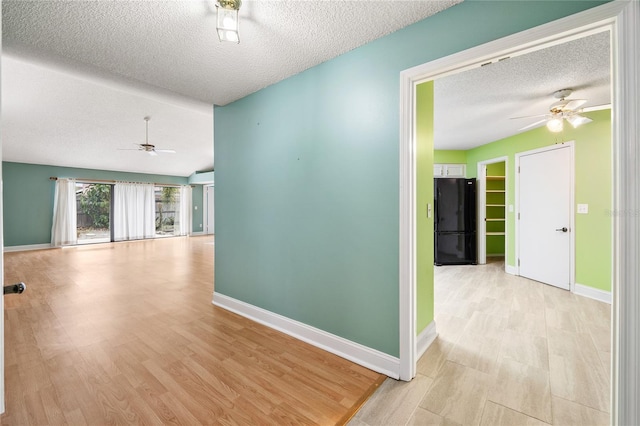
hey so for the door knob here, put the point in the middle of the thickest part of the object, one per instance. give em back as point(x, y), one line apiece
point(14, 288)
point(563, 229)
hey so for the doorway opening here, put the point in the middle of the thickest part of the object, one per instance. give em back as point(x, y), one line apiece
point(492, 209)
point(617, 18)
point(208, 212)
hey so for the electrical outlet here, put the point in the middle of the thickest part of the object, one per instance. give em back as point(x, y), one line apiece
point(583, 208)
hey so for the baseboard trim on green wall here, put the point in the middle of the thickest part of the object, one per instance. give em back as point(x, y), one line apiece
point(425, 339)
point(592, 293)
point(196, 234)
point(27, 247)
point(355, 352)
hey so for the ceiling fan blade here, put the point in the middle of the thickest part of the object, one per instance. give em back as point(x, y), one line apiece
point(529, 116)
point(596, 108)
point(574, 104)
point(166, 151)
point(532, 125)
point(152, 153)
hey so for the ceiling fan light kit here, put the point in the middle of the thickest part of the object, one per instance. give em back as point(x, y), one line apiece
point(563, 109)
point(555, 124)
point(228, 23)
point(578, 120)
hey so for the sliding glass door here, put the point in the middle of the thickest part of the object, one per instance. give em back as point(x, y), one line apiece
point(96, 213)
point(167, 210)
point(93, 205)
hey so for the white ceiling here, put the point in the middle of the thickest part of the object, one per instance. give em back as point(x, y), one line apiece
point(173, 44)
point(475, 107)
point(79, 76)
point(52, 117)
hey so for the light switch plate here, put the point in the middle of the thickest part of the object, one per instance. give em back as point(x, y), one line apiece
point(510, 208)
point(583, 208)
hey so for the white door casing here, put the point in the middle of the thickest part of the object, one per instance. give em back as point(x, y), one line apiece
point(1, 273)
point(1, 304)
point(544, 215)
point(209, 212)
point(622, 18)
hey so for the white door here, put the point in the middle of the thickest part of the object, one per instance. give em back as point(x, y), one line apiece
point(544, 225)
point(210, 219)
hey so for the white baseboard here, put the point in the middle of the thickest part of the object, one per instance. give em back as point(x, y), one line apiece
point(425, 339)
point(592, 293)
point(511, 270)
point(196, 234)
point(27, 247)
point(360, 354)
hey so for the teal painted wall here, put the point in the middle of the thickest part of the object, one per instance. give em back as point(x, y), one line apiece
point(593, 184)
point(307, 176)
point(202, 178)
point(28, 197)
point(199, 180)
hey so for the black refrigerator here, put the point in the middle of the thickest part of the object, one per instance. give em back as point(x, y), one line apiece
point(455, 221)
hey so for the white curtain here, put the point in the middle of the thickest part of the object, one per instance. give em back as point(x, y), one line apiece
point(134, 211)
point(65, 216)
point(184, 212)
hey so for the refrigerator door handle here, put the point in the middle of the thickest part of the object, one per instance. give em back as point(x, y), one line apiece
point(435, 210)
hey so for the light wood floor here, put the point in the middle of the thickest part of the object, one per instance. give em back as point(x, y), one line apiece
point(510, 351)
point(126, 333)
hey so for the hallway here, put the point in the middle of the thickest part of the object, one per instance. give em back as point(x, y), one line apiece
point(510, 351)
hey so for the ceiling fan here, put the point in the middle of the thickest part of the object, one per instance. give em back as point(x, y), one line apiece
point(146, 146)
point(563, 109)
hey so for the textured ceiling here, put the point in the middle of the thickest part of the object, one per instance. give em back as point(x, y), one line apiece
point(79, 76)
point(52, 117)
point(173, 44)
point(474, 107)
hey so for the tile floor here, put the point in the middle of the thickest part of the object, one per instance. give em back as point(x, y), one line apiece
point(510, 351)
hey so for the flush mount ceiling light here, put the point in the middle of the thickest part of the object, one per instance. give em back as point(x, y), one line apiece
point(227, 22)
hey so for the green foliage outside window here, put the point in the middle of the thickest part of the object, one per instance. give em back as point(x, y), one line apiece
point(169, 194)
point(95, 202)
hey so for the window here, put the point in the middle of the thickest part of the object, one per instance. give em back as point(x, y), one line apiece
point(93, 205)
point(167, 210)
point(97, 211)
